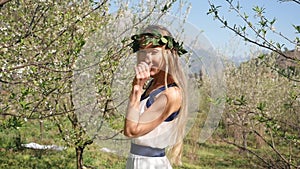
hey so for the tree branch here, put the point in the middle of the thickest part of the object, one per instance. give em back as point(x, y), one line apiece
point(3, 2)
point(275, 150)
point(248, 150)
point(269, 45)
point(296, 1)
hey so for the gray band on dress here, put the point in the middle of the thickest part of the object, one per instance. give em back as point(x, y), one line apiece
point(147, 151)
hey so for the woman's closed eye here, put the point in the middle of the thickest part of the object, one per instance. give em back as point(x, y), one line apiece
point(154, 52)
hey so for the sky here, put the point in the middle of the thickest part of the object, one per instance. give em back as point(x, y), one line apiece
point(222, 39)
point(225, 41)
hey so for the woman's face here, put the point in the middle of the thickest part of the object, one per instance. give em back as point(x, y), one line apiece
point(153, 57)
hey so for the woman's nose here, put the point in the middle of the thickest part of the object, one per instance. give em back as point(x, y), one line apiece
point(148, 60)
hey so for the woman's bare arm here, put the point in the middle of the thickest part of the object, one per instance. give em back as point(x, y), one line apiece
point(166, 103)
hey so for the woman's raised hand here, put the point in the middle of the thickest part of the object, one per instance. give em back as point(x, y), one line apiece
point(142, 74)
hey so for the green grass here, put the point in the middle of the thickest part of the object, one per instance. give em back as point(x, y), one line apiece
point(41, 159)
point(212, 155)
point(208, 155)
point(95, 158)
point(29, 159)
point(196, 156)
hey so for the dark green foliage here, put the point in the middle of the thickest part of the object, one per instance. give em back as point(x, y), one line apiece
point(156, 39)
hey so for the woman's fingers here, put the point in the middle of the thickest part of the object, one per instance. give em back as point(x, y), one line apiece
point(142, 70)
point(143, 67)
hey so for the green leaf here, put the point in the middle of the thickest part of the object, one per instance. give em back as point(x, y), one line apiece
point(25, 105)
point(297, 27)
point(25, 91)
point(170, 45)
point(263, 23)
point(258, 10)
point(155, 42)
point(156, 34)
point(241, 101)
point(165, 8)
point(246, 16)
point(262, 56)
point(278, 45)
point(164, 40)
point(209, 12)
point(147, 41)
point(261, 106)
point(273, 21)
point(238, 7)
point(225, 23)
point(243, 28)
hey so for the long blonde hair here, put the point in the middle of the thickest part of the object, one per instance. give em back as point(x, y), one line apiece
point(175, 69)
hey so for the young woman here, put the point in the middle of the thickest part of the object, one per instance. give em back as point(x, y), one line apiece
point(156, 115)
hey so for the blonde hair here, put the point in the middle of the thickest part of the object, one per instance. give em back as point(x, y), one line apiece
point(174, 68)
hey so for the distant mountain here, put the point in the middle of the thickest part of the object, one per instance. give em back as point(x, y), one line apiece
point(293, 62)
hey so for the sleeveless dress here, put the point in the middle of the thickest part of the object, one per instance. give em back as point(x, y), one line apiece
point(148, 151)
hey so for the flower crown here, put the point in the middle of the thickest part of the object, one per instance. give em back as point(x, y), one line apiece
point(156, 39)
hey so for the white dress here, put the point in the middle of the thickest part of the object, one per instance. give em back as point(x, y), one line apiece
point(161, 137)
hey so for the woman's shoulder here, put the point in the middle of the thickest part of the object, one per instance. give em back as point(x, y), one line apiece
point(173, 93)
point(174, 99)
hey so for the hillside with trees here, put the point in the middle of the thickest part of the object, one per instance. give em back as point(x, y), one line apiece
point(40, 43)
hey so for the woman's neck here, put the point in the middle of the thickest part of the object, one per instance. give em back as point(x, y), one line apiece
point(159, 80)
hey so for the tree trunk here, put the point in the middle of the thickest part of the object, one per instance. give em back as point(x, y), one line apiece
point(259, 140)
point(79, 157)
point(2, 2)
point(245, 137)
point(41, 129)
